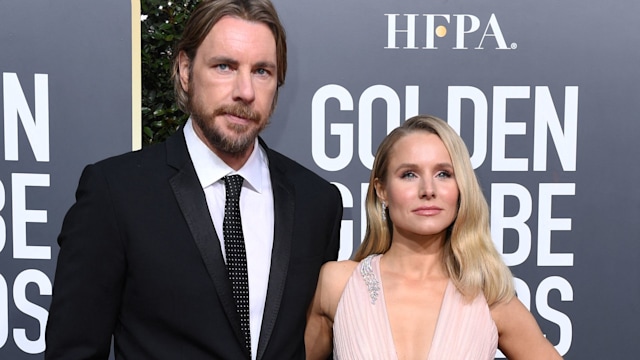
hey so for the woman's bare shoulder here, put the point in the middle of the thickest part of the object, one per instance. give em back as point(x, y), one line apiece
point(339, 269)
point(334, 276)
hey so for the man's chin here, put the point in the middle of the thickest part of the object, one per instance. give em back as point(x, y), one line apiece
point(234, 122)
point(239, 130)
point(235, 143)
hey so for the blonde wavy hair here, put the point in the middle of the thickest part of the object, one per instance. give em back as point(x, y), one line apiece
point(470, 257)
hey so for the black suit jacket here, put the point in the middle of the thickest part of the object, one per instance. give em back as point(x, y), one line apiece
point(140, 260)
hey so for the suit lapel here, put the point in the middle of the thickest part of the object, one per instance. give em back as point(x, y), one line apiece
point(284, 208)
point(193, 204)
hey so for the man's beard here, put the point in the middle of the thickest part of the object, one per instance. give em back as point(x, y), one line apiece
point(246, 135)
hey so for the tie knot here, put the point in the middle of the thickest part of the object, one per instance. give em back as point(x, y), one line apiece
point(233, 185)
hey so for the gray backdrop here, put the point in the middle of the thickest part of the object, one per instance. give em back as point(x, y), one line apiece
point(544, 93)
point(66, 100)
point(548, 107)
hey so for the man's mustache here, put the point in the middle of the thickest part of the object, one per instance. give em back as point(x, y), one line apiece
point(238, 110)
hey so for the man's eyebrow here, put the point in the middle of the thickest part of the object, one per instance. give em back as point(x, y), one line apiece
point(265, 64)
point(232, 61)
point(222, 59)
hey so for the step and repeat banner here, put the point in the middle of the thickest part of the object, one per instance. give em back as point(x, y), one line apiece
point(546, 95)
point(66, 101)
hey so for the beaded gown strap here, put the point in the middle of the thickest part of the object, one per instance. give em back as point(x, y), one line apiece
point(361, 328)
point(373, 285)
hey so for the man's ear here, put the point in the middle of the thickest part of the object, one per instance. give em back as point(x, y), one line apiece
point(183, 67)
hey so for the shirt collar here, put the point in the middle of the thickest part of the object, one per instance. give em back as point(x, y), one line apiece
point(210, 168)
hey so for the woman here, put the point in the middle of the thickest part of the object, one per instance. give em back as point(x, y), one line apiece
point(427, 282)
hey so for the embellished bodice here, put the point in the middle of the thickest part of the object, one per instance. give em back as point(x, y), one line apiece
point(361, 329)
point(370, 279)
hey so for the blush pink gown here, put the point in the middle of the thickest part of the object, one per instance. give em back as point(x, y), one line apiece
point(361, 328)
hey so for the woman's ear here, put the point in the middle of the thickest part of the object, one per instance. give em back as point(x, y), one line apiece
point(380, 190)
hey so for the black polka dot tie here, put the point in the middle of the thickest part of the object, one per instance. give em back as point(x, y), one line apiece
point(236, 254)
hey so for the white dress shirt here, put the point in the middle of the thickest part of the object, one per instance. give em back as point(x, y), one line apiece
point(256, 210)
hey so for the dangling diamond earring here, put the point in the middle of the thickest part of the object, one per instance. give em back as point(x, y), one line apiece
point(384, 211)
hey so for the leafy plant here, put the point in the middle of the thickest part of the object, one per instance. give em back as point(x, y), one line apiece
point(162, 22)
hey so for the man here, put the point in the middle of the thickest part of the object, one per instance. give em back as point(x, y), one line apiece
point(147, 252)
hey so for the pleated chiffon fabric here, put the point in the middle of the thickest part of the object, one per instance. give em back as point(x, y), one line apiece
point(361, 329)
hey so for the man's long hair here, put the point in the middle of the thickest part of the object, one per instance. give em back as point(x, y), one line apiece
point(202, 20)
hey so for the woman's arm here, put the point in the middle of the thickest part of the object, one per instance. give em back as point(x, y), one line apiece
point(318, 336)
point(520, 337)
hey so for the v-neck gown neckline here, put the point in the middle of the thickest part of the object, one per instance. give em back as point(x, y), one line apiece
point(361, 328)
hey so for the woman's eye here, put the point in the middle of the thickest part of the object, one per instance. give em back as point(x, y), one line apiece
point(408, 175)
point(444, 174)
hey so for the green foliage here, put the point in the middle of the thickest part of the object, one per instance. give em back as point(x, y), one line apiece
point(162, 23)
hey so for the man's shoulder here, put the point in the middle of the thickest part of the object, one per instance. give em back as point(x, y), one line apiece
point(152, 163)
point(293, 169)
point(134, 158)
point(172, 150)
point(309, 188)
point(131, 172)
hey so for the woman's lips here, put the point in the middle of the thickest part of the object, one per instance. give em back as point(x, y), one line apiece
point(427, 210)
